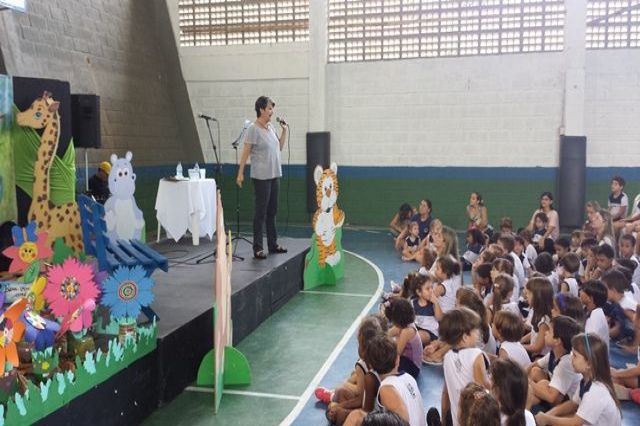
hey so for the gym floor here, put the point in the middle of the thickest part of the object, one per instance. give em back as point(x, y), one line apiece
point(311, 341)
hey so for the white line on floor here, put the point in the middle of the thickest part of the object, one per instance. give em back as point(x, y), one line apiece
point(244, 393)
point(341, 344)
point(336, 293)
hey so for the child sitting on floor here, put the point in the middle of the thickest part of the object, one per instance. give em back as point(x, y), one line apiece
point(552, 377)
point(411, 243)
point(427, 308)
point(464, 363)
point(510, 386)
point(478, 407)
point(568, 305)
point(500, 299)
point(475, 244)
point(508, 330)
point(621, 308)
point(447, 271)
point(594, 402)
point(593, 295)
point(539, 295)
point(349, 395)
point(568, 266)
point(398, 392)
point(467, 298)
point(404, 331)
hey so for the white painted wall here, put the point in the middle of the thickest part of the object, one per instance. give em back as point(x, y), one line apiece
point(506, 110)
point(612, 107)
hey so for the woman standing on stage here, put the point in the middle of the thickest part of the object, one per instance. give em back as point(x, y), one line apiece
point(263, 145)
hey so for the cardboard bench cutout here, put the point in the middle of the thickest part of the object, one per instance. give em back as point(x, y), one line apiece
point(61, 221)
point(324, 264)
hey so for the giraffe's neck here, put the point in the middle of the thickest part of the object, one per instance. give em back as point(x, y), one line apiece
point(48, 145)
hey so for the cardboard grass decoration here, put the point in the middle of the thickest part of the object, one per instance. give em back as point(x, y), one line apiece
point(28, 247)
point(324, 264)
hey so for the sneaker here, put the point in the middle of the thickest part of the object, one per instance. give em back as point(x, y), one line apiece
point(622, 393)
point(323, 394)
point(433, 417)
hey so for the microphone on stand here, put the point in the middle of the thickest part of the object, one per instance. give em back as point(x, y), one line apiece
point(245, 126)
point(206, 117)
point(281, 121)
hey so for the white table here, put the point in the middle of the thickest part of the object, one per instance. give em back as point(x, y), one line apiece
point(187, 204)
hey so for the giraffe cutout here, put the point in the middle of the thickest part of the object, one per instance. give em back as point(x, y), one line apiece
point(58, 221)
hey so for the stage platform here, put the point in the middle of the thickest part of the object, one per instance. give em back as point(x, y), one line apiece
point(184, 303)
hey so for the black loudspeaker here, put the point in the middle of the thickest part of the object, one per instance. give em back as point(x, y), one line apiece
point(318, 153)
point(572, 181)
point(85, 121)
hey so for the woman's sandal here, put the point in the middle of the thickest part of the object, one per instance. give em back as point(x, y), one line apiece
point(260, 255)
point(278, 249)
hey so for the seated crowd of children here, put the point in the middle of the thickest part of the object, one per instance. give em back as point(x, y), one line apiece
point(530, 333)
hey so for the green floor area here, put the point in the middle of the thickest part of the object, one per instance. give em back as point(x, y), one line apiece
point(285, 354)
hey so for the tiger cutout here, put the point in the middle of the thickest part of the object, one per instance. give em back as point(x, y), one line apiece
point(328, 217)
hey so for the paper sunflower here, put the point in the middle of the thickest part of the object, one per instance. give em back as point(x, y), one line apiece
point(70, 286)
point(126, 291)
point(35, 296)
point(11, 331)
point(27, 250)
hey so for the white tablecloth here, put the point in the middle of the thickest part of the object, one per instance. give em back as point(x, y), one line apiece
point(188, 204)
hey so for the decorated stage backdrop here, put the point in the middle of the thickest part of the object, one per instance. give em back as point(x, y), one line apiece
point(7, 180)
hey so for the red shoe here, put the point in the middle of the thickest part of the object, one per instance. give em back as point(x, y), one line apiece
point(634, 394)
point(323, 394)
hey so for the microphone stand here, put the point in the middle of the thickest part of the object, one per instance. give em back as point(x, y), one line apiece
point(234, 256)
point(238, 237)
point(218, 171)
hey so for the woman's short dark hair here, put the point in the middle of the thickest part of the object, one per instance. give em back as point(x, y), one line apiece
point(262, 102)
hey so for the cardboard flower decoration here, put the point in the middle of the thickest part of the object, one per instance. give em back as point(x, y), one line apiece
point(70, 286)
point(35, 296)
point(39, 331)
point(27, 250)
point(11, 331)
point(126, 291)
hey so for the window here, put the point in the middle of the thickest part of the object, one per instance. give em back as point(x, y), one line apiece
point(365, 30)
point(221, 22)
point(613, 24)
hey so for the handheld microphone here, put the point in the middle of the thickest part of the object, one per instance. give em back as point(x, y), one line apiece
point(281, 121)
point(206, 117)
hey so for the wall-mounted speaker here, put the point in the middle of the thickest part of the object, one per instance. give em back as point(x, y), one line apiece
point(85, 121)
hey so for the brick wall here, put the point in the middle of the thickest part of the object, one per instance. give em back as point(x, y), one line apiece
point(123, 51)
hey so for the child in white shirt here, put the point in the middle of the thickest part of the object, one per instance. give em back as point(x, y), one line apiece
point(593, 295)
point(551, 377)
point(568, 266)
point(508, 330)
point(464, 363)
point(594, 402)
point(397, 392)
